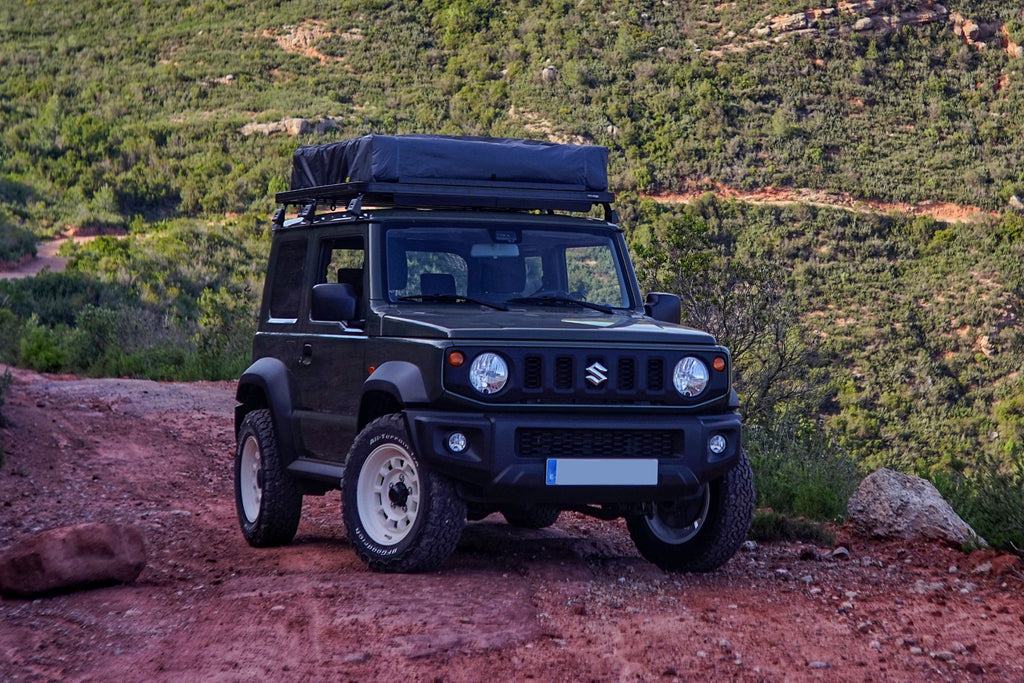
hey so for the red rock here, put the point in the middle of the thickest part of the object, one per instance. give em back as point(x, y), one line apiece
point(79, 556)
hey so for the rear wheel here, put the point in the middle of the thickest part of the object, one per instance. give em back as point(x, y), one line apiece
point(400, 516)
point(267, 499)
point(698, 535)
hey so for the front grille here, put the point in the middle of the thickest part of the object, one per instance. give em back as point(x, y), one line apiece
point(533, 376)
point(563, 372)
point(594, 443)
point(655, 374)
point(607, 376)
point(627, 377)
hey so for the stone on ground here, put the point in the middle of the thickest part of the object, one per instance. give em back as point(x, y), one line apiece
point(68, 558)
point(889, 504)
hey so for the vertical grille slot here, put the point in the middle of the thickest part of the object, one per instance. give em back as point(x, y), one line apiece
point(655, 374)
point(563, 372)
point(533, 372)
point(626, 374)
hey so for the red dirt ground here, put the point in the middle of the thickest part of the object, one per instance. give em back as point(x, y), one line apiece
point(571, 603)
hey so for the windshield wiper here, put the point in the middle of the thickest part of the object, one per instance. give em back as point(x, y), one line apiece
point(451, 299)
point(559, 301)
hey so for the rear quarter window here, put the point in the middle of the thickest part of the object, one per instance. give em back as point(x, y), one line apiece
point(286, 285)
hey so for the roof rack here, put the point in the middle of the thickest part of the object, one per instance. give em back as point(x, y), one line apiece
point(431, 194)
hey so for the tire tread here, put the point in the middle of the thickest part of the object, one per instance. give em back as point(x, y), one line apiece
point(281, 503)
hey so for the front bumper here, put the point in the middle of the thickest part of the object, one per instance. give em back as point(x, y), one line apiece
point(506, 460)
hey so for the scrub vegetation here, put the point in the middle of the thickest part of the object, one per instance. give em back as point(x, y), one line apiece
point(860, 339)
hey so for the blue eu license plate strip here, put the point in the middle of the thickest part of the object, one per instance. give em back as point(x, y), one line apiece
point(601, 472)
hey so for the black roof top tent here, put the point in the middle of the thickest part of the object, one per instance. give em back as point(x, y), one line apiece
point(450, 172)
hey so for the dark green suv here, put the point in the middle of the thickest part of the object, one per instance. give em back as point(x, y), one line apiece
point(460, 338)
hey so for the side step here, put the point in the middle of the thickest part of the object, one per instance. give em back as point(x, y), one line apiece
point(318, 469)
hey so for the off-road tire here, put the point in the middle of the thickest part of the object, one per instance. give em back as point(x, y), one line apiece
point(726, 522)
point(531, 516)
point(267, 498)
point(400, 516)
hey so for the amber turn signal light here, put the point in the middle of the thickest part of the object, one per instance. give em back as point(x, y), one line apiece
point(456, 359)
point(718, 363)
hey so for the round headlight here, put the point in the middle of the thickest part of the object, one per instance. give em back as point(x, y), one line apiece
point(488, 373)
point(690, 376)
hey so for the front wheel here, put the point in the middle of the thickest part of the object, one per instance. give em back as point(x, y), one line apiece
point(400, 516)
point(701, 535)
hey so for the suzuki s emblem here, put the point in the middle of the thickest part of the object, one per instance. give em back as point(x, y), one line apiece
point(597, 374)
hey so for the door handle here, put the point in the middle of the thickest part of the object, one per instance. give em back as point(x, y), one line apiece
point(307, 355)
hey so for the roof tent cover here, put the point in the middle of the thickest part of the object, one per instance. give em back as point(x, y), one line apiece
point(450, 160)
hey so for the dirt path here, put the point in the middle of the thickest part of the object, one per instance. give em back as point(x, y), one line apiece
point(46, 257)
point(940, 211)
point(572, 603)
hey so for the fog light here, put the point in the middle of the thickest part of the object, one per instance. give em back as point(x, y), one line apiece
point(457, 442)
point(717, 444)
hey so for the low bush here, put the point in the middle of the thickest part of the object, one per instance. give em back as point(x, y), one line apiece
point(798, 470)
point(990, 497)
point(769, 526)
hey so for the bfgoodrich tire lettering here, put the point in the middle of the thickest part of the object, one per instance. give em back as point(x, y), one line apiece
point(267, 499)
point(723, 521)
point(400, 516)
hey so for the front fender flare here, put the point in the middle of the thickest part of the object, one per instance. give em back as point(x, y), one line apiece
point(401, 379)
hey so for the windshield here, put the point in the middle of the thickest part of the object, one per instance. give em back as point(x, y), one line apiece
point(506, 266)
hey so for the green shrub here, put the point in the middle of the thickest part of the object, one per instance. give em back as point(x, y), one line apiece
point(798, 470)
point(41, 349)
point(990, 497)
point(769, 526)
point(10, 335)
point(15, 242)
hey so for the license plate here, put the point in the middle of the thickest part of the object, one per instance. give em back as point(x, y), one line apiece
point(601, 472)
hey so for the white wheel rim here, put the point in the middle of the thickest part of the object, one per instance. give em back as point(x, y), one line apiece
point(678, 535)
point(249, 480)
point(389, 472)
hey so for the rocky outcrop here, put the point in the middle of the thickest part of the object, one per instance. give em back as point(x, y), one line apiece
point(882, 16)
point(888, 504)
point(79, 556)
point(292, 126)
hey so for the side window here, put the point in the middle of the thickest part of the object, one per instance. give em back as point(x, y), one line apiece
point(344, 264)
point(286, 287)
point(340, 262)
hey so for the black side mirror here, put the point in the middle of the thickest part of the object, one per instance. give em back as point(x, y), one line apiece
point(336, 302)
point(663, 307)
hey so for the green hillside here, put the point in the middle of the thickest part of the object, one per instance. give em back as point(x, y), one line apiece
point(894, 340)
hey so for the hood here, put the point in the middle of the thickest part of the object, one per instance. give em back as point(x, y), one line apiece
point(546, 325)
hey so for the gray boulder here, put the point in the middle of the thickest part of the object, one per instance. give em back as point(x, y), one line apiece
point(888, 504)
point(79, 556)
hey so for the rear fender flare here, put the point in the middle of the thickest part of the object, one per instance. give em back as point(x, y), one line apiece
point(265, 383)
